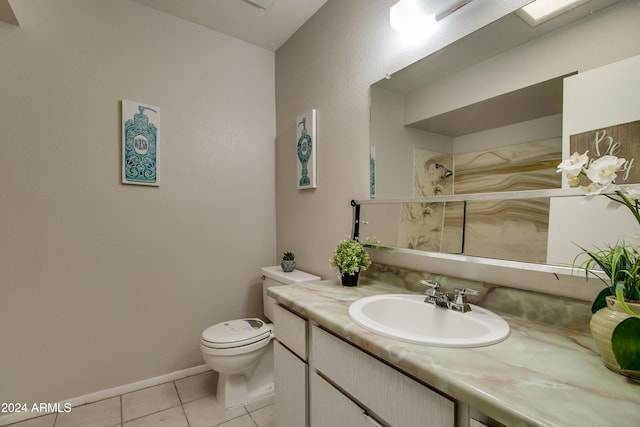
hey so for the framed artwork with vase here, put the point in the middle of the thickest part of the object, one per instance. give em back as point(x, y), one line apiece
point(306, 150)
point(140, 143)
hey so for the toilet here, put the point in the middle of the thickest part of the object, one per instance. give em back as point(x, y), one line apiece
point(241, 350)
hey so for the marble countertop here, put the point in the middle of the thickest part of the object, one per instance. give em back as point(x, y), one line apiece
point(540, 375)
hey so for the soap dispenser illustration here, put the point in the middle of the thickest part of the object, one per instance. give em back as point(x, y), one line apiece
point(140, 149)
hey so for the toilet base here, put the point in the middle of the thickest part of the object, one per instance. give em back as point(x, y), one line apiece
point(240, 389)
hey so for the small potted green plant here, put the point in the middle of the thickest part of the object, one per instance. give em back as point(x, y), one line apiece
point(288, 263)
point(350, 259)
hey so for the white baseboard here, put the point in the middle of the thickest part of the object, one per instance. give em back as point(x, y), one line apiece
point(111, 392)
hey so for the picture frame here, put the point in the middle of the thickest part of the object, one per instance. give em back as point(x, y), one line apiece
point(372, 171)
point(306, 147)
point(617, 140)
point(140, 143)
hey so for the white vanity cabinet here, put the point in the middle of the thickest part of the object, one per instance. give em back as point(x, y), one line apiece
point(324, 381)
point(390, 397)
point(290, 369)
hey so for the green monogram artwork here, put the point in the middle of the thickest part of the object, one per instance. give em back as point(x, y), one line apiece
point(140, 144)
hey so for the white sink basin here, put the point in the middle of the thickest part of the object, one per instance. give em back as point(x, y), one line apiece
point(408, 318)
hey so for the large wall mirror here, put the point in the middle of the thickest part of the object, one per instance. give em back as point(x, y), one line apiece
point(492, 114)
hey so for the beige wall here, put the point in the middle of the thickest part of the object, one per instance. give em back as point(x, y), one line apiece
point(329, 65)
point(104, 284)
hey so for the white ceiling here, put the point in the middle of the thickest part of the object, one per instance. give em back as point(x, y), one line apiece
point(242, 19)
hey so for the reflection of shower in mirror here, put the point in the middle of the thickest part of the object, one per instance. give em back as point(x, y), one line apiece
point(447, 173)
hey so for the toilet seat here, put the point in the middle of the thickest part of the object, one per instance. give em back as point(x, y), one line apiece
point(236, 333)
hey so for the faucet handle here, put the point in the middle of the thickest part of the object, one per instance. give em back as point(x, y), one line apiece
point(430, 283)
point(465, 291)
point(432, 290)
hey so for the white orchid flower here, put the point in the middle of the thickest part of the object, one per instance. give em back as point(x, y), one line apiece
point(595, 188)
point(603, 170)
point(573, 165)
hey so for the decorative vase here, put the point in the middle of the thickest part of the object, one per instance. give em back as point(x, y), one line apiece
point(602, 324)
point(288, 265)
point(350, 279)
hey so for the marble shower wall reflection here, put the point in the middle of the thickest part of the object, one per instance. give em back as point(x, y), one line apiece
point(512, 229)
point(421, 224)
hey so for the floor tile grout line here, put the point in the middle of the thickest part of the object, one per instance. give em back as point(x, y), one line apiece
point(122, 421)
point(252, 420)
point(185, 416)
point(184, 413)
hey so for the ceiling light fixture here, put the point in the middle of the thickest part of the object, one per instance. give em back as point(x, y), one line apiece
point(539, 11)
point(420, 16)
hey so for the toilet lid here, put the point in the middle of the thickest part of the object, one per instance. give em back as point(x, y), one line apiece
point(235, 333)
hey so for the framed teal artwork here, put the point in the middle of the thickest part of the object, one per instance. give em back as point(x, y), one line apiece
point(306, 150)
point(140, 143)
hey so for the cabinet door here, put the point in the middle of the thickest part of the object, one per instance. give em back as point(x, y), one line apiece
point(394, 397)
point(291, 330)
point(290, 400)
point(330, 408)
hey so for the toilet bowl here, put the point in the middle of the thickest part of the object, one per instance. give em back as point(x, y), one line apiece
point(241, 350)
point(235, 350)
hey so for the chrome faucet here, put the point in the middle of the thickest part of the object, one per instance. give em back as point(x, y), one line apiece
point(441, 299)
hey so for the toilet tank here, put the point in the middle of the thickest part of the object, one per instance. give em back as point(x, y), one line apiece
point(274, 276)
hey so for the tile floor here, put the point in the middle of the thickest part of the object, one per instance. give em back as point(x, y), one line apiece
point(188, 402)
